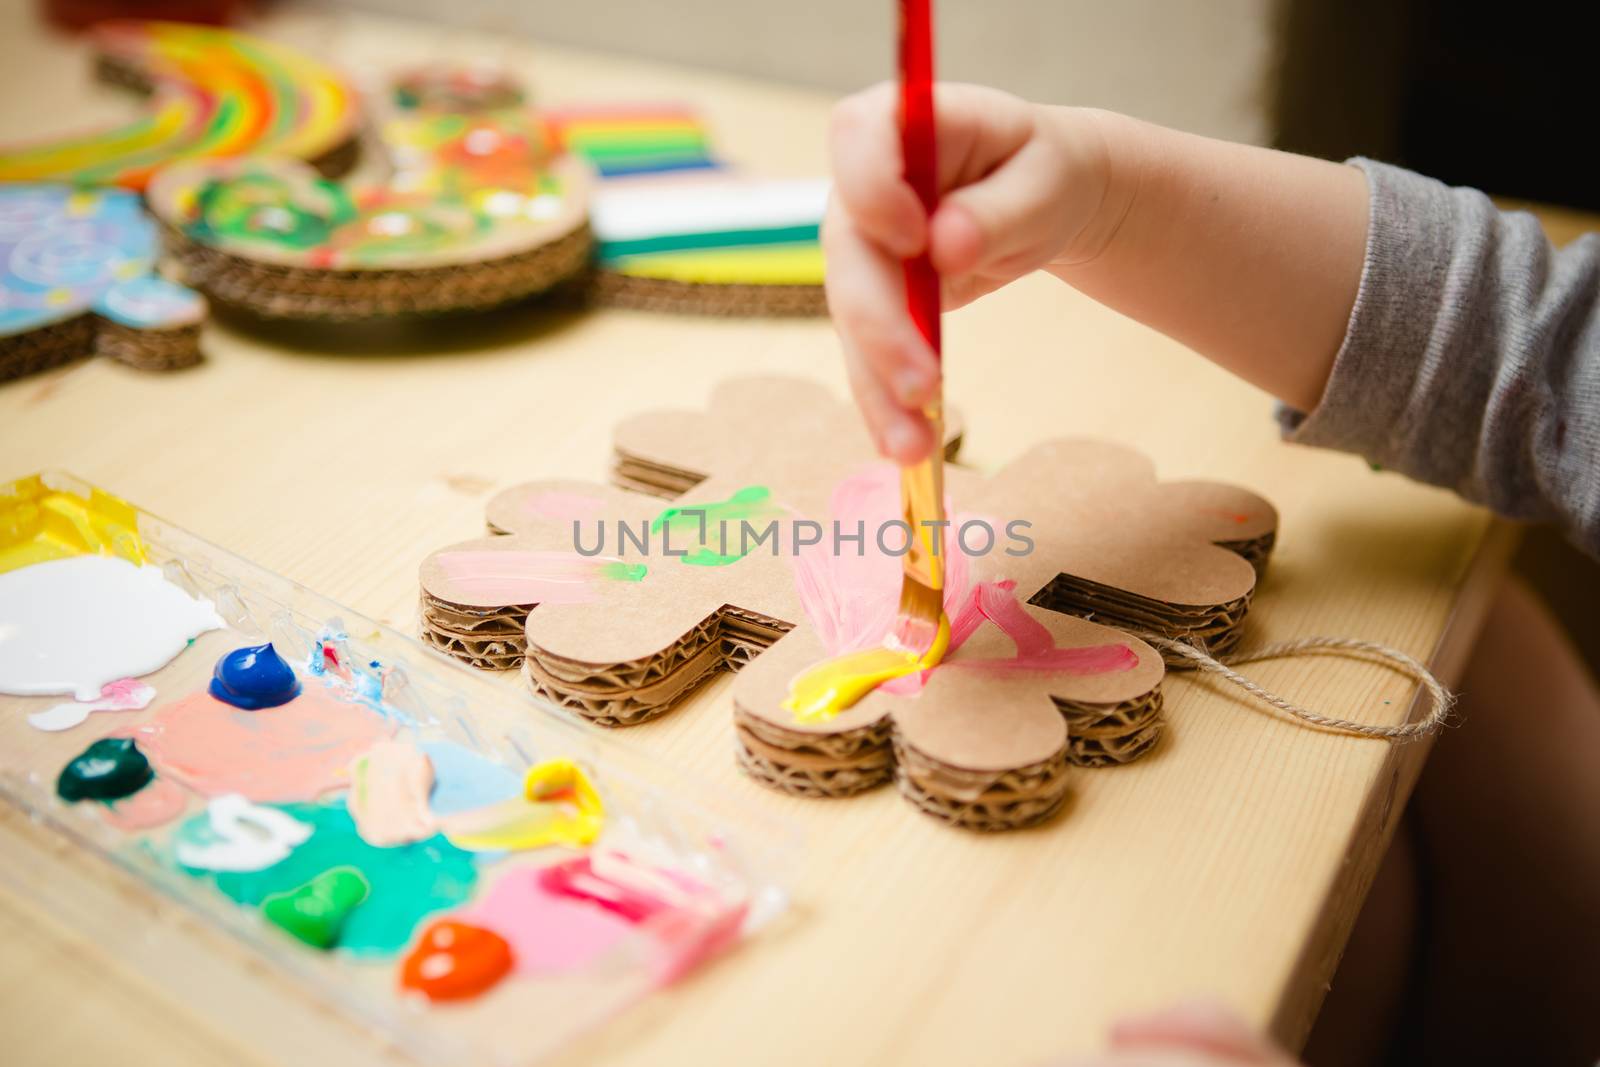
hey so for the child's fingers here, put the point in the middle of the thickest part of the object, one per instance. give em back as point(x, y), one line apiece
point(892, 370)
point(867, 299)
point(865, 146)
point(1014, 216)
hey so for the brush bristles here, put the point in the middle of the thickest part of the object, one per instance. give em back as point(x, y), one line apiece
point(920, 610)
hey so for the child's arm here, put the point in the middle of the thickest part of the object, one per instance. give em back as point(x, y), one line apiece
point(1437, 337)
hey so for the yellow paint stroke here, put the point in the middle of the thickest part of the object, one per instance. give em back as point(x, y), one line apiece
point(559, 806)
point(821, 692)
point(39, 523)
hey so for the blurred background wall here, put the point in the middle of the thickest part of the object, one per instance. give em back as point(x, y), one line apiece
point(1199, 64)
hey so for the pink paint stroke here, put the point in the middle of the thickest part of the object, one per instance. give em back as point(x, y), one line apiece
point(522, 577)
point(557, 504)
point(852, 600)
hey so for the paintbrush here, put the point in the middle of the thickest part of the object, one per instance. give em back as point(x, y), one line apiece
point(922, 484)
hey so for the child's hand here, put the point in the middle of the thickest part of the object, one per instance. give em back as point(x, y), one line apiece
point(1025, 186)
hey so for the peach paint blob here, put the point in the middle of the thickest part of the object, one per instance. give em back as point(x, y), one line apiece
point(295, 751)
point(155, 805)
point(389, 787)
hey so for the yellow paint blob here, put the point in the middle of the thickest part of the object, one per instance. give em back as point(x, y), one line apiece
point(821, 692)
point(559, 806)
point(39, 522)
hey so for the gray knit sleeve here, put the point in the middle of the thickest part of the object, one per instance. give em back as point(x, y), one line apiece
point(1472, 357)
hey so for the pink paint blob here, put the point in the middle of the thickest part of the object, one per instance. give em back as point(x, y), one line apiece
point(125, 694)
point(522, 577)
point(549, 933)
point(157, 803)
point(558, 504)
point(567, 916)
point(292, 752)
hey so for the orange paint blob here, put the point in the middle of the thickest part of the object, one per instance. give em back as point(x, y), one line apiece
point(455, 960)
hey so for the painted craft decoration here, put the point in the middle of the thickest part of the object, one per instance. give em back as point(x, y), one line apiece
point(210, 93)
point(476, 213)
point(336, 803)
point(77, 278)
point(677, 230)
point(1069, 532)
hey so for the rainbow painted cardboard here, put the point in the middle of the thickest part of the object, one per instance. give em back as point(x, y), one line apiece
point(476, 213)
point(210, 93)
point(678, 230)
point(620, 633)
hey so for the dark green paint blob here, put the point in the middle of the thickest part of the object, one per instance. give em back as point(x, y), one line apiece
point(109, 769)
point(316, 912)
point(405, 884)
point(712, 533)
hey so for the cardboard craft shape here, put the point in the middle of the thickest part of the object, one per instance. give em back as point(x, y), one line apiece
point(211, 92)
point(77, 277)
point(982, 746)
point(476, 214)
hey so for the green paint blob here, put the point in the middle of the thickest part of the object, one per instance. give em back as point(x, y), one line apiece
point(316, 912)
point(109, 769)
point(712, 533)
point(624, 572)
point(405, 883)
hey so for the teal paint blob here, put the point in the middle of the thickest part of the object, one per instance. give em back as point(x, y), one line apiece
point(406, 883)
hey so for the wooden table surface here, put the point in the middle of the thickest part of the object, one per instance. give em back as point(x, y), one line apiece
point(1230, 863)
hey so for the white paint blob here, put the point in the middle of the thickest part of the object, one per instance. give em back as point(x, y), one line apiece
point(239, 835)
point(74, 625)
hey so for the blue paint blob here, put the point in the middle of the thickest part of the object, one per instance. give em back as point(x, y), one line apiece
point(254, 678)
point(463, 780)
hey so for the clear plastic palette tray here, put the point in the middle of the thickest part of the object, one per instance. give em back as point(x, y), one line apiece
point(287, 1000)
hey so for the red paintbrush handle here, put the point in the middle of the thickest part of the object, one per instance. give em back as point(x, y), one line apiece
point(918, 145)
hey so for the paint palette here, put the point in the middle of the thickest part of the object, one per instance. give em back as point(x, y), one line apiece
point(413, 855)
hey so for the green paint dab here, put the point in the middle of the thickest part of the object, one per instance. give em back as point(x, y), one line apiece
point(715, 527)
point(624, 572)
point(316, 912)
